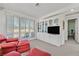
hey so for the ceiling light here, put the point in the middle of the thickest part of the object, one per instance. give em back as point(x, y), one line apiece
point(72, 10)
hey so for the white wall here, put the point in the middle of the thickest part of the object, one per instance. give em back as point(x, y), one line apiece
point(59, 40)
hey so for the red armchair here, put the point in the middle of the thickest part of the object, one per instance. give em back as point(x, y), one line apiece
point(23, 46)
point(13, 53)
point(38, 52)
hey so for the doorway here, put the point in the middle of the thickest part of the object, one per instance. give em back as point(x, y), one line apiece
point(72, 33)
point(71, 29)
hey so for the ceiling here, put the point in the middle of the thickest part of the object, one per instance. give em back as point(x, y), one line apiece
point(35, 11)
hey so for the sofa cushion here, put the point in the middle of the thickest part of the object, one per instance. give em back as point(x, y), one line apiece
point(7, 50)
point(23, 46)
point(6, 45)
point(23, 42)
point(13, 53)
point(37, 52)
point(11, 39)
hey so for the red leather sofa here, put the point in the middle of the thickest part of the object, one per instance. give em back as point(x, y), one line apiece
point(13, 44)
point(20, 46)
point(8, 47)
point(23, 46)
point(38, 52)
point(13, 53)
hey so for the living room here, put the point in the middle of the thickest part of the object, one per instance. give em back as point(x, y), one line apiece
point(38, 29)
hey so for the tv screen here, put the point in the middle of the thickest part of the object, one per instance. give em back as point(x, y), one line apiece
point(54, 30)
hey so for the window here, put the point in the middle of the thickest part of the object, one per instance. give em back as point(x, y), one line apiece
point(22, 27)
point(9, 26)
point(19, 27)
point(32, 34)
point(27, 29)
point(16, 27)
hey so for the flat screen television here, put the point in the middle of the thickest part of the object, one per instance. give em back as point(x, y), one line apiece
point(54, 29)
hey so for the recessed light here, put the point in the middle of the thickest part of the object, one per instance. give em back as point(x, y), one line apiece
point(72, 10)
